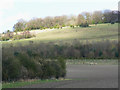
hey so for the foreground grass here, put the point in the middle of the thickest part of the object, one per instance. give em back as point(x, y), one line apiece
point(24, 83)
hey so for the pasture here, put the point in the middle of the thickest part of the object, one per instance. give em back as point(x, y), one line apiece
point(93, 33)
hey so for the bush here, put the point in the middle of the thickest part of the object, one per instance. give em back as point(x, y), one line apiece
point(57, 26)
point(24, 35)
point(63, 66)
point(72, 26)
point(11, 69)
point(112, 22)
point(22, 63)
point(84, 24)
point(5, 38)
point(63, 25)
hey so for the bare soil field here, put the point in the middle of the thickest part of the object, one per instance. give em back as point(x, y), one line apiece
point(85, 76)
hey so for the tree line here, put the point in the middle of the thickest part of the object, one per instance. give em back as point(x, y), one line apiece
point(83, 20)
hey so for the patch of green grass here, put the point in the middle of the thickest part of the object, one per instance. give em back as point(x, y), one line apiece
point(23, 83)
point(95, 32)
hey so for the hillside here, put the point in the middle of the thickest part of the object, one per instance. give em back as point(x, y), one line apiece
point(45, 55)
point(67, 35)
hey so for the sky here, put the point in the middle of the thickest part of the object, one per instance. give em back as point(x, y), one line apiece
point(13, 10)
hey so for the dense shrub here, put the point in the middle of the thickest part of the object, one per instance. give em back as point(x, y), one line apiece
point(112, 22)
point(72, 26)
point(11, 68)
point(4, 38)
point(20, 63)
point(84, 24)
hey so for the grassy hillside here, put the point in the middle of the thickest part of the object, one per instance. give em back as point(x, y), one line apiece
point(105, 31)
point(67, 35)
point(96, 41)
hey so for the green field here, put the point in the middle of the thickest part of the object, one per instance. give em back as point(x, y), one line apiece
point(67, 35)
point(100, 31)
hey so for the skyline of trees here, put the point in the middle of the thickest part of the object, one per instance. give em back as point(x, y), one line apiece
point(96, 17)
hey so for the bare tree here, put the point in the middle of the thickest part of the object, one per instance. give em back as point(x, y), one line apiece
point(80, 19)
point(97, 17)
point(20, 25)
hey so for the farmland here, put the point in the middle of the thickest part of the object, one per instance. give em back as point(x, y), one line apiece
point(37, 57)
point(59, 44)
point(78, 76)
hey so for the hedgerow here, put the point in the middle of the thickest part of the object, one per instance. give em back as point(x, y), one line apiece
point(47, 60)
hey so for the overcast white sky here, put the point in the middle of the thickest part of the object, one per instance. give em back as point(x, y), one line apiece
point(13, 10)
